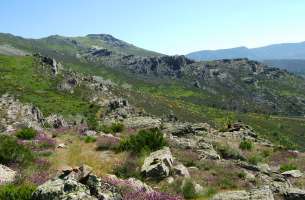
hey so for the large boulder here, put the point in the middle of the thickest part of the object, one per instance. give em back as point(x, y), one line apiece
point(293, 173)
point(158, 164)
point(256, 194)
point(294, 194)
point(77, 184)
point(7, 175)
point(207, 151)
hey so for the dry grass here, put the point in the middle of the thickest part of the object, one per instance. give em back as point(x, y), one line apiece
point(78, 152)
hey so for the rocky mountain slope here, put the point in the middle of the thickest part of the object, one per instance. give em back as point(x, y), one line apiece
point(69, 135)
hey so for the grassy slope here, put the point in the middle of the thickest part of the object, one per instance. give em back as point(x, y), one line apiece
point(22, 77)
point(156, 97)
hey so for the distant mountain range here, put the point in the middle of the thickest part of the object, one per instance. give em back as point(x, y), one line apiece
point(271, 52)
point(289, 56)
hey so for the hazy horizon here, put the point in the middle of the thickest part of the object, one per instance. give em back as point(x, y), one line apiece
point(169, 27)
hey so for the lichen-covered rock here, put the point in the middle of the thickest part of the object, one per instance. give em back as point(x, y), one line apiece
point(15, 114)
point(181, 170)
point(158, 164)
point(56, 121)
point(7, 175)
point(207, 151)
point(62, 189)
point(77, 184)
point(294, 194)
point(293, 173)
point(256, 194)
point(142, 122)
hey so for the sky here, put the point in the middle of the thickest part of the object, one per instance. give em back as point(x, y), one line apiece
point(166, 26)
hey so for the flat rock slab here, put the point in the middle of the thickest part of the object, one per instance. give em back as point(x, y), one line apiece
point(7, 175)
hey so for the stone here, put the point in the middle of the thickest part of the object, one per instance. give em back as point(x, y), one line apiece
point(15, 114)
point(56, 121)
point(293, 173)
point(170, 180)
point(207, 151)
point(77, 184)
point(263, 193)
point(294, 194)
point(181, 170)
point(90, 133)
point(198, 188)
point(264, 168)
point(7, 175)
point(158, 164)
point(61, 146)
point(142, 122)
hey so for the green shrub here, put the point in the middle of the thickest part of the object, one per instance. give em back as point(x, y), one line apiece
point(226, 183)
point(145, 140)
point(26, 133)
point(246, 145)
point(11, 151)
point(188, 190)
point(89, 139)
point(227, 152)
point(241, 175)
point(288, 167)
point(113, 128)
point(12, 192)
point(116, 127)
point(255, 159)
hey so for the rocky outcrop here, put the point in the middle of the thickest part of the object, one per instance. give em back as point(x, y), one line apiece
point(293, 173)
point(15, 114)
point(56, 121)
point(7, 175)
point(182, 129)
point(294, 194)
point(49, 62)
point(256, 194)
point(77, 184)
point(158, 164)
point(143, 122)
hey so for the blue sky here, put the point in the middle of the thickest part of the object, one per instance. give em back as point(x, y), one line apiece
point(167, 26)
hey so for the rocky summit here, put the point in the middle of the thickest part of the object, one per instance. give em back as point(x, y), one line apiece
point(97, 118)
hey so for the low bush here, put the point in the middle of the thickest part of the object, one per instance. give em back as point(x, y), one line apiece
point(89, 139)
point(146, 140)
point(12, 152)
point(226, 183)
point(113, 128)
point(246, 145)
point(116, 127)
point(288, 167)
point(188, 190)
point(255, 159)
point(26, 133)
point(12, 192)
point(227, 152)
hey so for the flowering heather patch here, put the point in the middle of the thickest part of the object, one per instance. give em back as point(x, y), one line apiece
point(40, 177)
point(131, 191)
point(44, 141)
point(107, 142)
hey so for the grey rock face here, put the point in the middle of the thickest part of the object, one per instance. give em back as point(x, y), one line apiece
point(76, 184)
point(293, 173)
point(7, 175)
point(255, 194)
point(158, 164)
point(15, 114)
point(56, 121)
point(294, 194)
